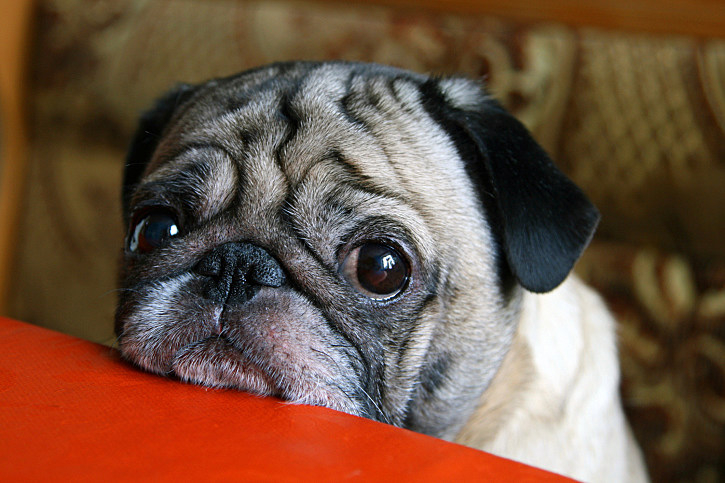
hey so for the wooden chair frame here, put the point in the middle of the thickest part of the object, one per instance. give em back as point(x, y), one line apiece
point(15, 25)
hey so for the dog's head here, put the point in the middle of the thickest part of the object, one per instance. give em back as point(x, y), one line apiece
point(346, 235)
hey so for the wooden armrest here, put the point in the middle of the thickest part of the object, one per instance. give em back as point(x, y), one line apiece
point(14, 46)
point(700, 18)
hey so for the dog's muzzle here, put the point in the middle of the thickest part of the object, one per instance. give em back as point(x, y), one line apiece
point(237, 270)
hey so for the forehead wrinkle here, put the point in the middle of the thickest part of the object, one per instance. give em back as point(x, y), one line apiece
point(325, 213)
point(264, 186)
point(250, 132)
point(320, 125)
point(237, 129)
point(391, 124)
point(203, 178)
point(309, 112)
point(416, 147)
point(324, 186)
point(220, 186)
point(330, 147)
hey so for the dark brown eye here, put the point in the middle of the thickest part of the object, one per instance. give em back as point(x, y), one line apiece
point(376, 270)
point(152, 229)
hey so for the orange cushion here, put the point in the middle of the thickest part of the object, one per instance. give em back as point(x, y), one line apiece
point(70, 408)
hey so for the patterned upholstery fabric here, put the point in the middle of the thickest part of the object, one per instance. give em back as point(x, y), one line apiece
point(638, 121)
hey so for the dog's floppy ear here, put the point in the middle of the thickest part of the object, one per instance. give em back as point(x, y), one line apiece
point(147, 136)
point(547, 220)
point(543, 220)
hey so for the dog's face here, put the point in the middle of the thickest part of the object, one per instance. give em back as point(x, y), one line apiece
point(344, 235)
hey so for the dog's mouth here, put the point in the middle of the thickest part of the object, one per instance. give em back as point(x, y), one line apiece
point(217, 362)
point(275, 345)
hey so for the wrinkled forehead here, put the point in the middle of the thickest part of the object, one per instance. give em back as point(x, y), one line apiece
point(254, 107)
point(290, 133)
point(309, 111)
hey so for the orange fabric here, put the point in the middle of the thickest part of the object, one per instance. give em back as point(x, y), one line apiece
point(72, 410)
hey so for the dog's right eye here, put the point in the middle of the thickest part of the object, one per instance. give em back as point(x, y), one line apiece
point(152, 229)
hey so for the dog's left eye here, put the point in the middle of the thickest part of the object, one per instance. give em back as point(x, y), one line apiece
point(376, 270)
point(151, 230)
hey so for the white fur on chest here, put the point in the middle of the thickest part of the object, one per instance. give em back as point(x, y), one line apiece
point(568, 416)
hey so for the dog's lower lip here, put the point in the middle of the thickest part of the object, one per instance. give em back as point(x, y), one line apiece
point(217, 361)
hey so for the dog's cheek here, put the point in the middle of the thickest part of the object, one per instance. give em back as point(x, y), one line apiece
point(405, 355)
point(161, 319)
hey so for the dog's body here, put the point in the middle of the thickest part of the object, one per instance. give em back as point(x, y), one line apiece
point(368, 239)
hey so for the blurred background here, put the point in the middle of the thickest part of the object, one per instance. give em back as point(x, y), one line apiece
point(627, 96)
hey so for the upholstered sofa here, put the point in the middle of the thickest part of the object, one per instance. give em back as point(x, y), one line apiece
point(637, 119)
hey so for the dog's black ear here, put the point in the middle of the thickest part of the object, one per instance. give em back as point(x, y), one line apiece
point(150, 129)
point(547, 221)
point(541, 218)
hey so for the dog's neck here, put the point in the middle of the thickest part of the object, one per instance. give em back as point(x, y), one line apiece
point(561, 370)
point(501, 397)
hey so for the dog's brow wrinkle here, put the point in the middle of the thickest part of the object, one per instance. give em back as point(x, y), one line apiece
point(350, 104)
point(292, 120)
point(249, 135)
point(168, 155)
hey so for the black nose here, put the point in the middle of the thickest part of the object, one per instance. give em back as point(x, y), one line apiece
point(237, 271)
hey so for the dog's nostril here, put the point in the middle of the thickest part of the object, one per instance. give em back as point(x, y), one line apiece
point(209, 266)
point(268, 274)
point(237, 271)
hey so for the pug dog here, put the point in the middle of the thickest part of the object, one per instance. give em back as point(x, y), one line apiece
point(380, 242)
